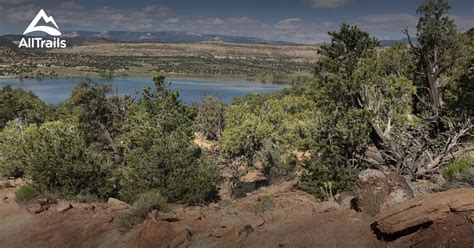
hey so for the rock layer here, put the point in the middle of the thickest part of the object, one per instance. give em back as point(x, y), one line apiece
point(424, 210)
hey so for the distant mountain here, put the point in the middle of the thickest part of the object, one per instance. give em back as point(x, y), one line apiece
point(386, 43)
point(166, 37)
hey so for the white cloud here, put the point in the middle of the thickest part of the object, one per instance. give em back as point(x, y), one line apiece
point(171, 21)
point(210, 21)
point(289, 23)
point(328, 4)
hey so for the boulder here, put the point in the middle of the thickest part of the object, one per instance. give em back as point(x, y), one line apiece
point(424, 210)
point(115, 204)
point(377, 190)
point(63, 206)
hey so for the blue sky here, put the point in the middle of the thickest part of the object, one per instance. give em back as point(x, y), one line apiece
point(303, 21)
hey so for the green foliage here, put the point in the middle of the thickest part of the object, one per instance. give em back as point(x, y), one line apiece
point(340, 92)
point(324, 171)
point(99, 116)
point(440, 47)
point(210, 117)
point(19, 104)
point(145, 203)
point(339, 58)
point(437, 31)
point(12, 157)
point(88, 104)
point(159, 152)
point(244, 133)
point(284, 121)
point(460, 90)
point(26, 193)
point(461, 169)
point(58, 160)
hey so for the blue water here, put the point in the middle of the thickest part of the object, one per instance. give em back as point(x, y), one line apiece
point(56, 90)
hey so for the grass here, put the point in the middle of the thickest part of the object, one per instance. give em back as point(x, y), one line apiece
point(459, 169)
point(374, 205)
point(26, 193)
point(145, 203)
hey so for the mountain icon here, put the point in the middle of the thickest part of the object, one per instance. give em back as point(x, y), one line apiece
point(47, 19)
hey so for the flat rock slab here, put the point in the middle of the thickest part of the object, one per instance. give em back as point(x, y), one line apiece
point(423, 210)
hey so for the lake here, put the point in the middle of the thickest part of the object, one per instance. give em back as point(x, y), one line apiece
point(56, 90)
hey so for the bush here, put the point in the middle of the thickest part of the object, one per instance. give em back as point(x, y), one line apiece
point(19, 104)
point(461, 169)
point(26, 193)
point(245, 138)
point(173, 165)
point(59, 161)
point(286, 121)
point(144, 204)
point(324, 177)
point(159, 152)
point(210, 117)
point(12, 157)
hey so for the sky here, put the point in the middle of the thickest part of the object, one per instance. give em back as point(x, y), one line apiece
point(300, 21)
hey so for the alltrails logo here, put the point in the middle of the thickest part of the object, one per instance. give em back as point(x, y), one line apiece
point(39, 42)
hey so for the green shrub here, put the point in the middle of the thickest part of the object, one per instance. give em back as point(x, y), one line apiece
point(286, 121)
point(324, 171)
point(26, 193)
point(173, 165)
point(19, 104)
point(59, 161)
point(460, 169)
point(244, 135)
point(12, 157)
point(159, 151)
point(144, 204)
point(210, 117)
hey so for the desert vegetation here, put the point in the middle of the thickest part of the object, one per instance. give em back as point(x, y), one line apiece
point(405, 109)
point(273, 64)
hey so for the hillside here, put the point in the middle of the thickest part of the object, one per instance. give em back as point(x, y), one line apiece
point(269, 63)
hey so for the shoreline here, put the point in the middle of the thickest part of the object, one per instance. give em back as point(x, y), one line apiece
point(205, 78)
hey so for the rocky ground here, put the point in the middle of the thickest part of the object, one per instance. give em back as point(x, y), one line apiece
point(276, 216)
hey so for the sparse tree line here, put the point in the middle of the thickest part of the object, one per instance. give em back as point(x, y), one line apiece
point(407, 108)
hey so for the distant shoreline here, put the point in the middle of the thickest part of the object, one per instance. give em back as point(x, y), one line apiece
point(168, 76)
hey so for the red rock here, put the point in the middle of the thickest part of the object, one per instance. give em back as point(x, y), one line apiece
point(424, 209)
